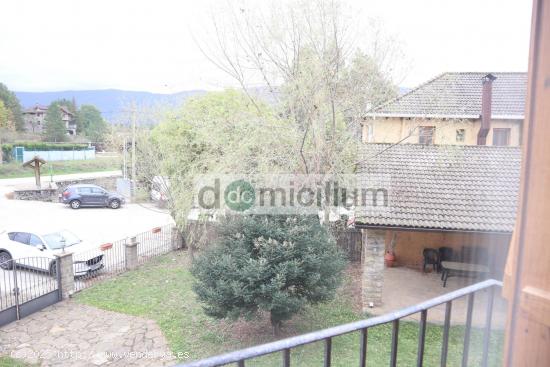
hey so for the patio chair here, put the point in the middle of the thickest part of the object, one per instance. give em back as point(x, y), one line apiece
point(467, 254)
point(431, 257)
point(475, 255)
point(445, 254)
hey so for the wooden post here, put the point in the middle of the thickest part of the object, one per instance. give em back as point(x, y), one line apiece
point(527, 277)
point(37, 173)
point(35, 165)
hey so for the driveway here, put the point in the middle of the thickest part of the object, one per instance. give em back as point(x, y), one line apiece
point(72, 334)
point(92, 225)
point(97, 225)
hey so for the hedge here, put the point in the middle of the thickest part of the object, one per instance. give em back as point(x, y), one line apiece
point(7, 149)
point(37, 145)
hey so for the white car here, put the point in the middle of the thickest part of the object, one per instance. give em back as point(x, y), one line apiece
point(24, 244)
point(160, 190)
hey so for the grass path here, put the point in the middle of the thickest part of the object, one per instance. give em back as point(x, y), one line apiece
point(16, 170)
point(6, 361)
point(162, 290)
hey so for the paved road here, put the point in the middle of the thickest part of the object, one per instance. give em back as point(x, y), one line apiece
point(97, 225)
point(11, 182)
point(94, 226)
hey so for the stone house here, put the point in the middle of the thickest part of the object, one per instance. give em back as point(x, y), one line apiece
point(439, 196)
point(34, 119)
point(466, 108)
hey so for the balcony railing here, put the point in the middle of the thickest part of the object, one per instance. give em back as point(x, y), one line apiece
point(285, 346)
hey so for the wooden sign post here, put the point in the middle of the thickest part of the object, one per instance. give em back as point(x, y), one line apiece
point(35, 164)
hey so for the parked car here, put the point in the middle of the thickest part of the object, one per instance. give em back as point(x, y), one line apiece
point(16, 245)
point(160, 187)
point(80, 195)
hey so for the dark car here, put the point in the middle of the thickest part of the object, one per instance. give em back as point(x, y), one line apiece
point(90, 195)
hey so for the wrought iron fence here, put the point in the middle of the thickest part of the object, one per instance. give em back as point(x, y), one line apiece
point(109, 259)
point(325, 336)
point(27, 285)
point(155, 242)
point(112, 258)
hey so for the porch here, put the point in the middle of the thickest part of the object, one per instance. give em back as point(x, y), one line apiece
point(404, 287)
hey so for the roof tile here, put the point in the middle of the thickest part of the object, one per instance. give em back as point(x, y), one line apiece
point(444, 187)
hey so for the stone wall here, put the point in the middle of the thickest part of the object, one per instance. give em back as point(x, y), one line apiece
point(51, 190)
point(108, 183)
point(47, 193)
point(373, 267)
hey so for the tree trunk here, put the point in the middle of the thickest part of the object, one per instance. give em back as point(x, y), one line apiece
point(276, 325)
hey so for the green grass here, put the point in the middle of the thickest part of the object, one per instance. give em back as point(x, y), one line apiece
point(16, 170)
point(162, 290)
point(6, 361)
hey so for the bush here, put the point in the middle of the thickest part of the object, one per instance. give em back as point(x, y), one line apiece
point(37, 145)
point(7, 152)
point(276, 264)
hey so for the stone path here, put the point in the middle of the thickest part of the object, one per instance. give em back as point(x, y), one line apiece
point(71, 334)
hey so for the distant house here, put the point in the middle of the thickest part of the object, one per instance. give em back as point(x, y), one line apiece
point(467, 108)
point(34, 119)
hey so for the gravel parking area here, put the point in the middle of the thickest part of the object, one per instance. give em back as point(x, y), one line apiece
point(97, 225)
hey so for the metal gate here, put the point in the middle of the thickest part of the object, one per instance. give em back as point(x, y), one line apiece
point(18, 154)
point(27, 285)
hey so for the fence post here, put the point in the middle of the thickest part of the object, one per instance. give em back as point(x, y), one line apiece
point(177, 238)
point(65, 273)
point(130, 254)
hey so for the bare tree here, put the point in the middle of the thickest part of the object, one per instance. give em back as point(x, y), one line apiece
point(318, 60)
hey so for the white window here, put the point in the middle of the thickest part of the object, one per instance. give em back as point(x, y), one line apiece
point(370, 133)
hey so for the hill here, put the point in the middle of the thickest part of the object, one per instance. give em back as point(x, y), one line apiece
point(112, 103)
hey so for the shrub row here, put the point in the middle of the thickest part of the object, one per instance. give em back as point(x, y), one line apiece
point(38, 145)
point(7, 149)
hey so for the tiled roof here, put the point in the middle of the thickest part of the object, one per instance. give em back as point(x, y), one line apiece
point(36, 108)
point(65, 110)
point(458, 95)
point(43, 109)
point(469, 188)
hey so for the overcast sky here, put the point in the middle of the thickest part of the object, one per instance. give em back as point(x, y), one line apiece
point(48, 45)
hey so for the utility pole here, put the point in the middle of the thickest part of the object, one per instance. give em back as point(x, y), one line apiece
point(124, 158)
point(133, 149)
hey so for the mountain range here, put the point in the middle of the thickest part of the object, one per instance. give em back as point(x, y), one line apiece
point(114, 104)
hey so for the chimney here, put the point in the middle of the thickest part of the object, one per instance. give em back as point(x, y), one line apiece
point(486, 100)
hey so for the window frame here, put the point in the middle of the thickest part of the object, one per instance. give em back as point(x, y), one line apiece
point(507, 131)
point(422, 135)
point(462, 134)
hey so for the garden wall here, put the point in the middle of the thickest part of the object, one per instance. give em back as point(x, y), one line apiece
point(59, 155)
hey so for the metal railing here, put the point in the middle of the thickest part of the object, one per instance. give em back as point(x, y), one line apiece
point(155, 242)
point(112, 261)
point(26, 286)
point(25, 279)
point(152, 243)
point(285, 346)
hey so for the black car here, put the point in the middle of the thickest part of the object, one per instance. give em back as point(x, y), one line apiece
point(90, 195)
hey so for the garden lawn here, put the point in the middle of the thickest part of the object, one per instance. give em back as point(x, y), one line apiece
point(6, 361)
point(162, 290)
point(16, 170)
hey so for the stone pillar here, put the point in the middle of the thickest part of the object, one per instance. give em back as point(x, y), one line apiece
point(177, 239)
point(374, 244)
point(65, 273)
point(130, 254)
